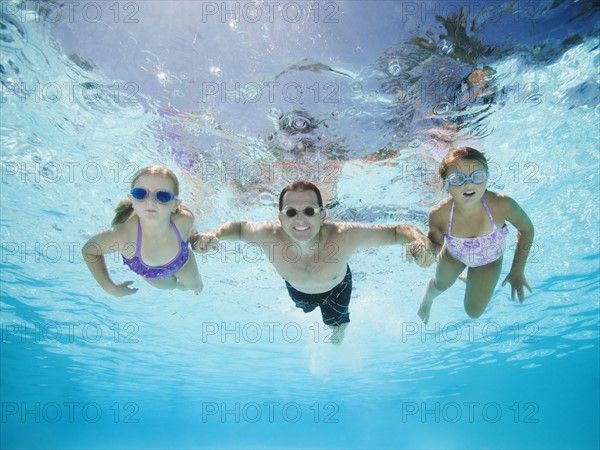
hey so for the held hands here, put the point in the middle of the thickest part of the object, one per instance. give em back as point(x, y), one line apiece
point(517, 283)
point(203, 243)
point(122, 289)
point(422, 251)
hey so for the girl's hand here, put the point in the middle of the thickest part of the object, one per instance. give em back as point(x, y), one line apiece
point(122, 289)
point(421, 251)
point(518, 283)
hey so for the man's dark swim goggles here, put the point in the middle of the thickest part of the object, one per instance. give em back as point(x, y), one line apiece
point(160, 196)
point(308, 211)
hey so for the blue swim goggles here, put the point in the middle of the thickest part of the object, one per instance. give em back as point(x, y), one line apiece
point(161, 196)
point(458, 178)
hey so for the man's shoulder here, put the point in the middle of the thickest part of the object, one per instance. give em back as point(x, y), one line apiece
point(266, 228)
point(342, 230)
point(332, 227)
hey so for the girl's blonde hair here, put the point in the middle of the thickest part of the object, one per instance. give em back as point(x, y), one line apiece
point(461, 153)
point(124, 209)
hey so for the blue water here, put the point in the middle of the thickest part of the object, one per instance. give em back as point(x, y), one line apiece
point(92, 91)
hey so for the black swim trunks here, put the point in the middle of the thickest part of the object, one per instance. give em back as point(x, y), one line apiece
point(334, 303)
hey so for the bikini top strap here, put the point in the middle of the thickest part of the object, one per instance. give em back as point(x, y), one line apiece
point(138, 244)
point(489, 213)
point(450, 221)
point(176, 231)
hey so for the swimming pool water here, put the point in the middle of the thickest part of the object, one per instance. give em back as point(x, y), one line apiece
point(87, 100)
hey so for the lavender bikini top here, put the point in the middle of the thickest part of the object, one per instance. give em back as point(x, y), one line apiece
point(157, 272)
point(480, 250)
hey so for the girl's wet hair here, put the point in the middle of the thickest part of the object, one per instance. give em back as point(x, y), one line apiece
point(300, 186)
point(460, 154)
point(124, 209)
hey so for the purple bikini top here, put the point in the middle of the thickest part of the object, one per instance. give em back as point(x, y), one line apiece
point(480, 250)
point(158, 272)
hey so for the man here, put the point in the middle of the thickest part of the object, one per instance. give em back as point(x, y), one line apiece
point(312, 255)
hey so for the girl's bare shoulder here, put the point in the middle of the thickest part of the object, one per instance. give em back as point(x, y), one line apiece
point(499, 202)
point(441, 211)
point(116, 237)
point(184, 220)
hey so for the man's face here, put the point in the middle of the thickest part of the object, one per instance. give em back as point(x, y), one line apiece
point(301, 226)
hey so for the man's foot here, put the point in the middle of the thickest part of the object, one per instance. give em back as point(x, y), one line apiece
point(338, 333)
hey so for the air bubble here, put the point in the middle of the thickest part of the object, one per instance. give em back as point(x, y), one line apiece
point(267, 199)
point(442, 108)
point(275, 114)
point(299, 123)
point(394, 68)
point(445, 47)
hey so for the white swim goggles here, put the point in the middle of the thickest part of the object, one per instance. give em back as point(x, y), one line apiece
point(478, 176)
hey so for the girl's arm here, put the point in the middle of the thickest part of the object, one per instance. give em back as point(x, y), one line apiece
point(426, 253)
point(93, 253)
point(525, 234)
point(436, 226)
